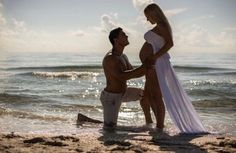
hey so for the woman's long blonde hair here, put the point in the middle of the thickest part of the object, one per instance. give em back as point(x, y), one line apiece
point(155, 8)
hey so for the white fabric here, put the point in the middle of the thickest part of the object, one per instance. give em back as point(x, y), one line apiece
point(176, 100)
point(111, 103)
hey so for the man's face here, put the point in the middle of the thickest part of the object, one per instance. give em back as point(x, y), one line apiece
point(122, 39)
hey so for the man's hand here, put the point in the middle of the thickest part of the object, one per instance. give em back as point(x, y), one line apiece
point(150, 61)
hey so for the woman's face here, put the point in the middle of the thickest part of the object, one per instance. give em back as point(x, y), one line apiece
point(151, 17)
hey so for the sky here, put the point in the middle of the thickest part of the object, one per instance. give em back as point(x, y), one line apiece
point(82, 26)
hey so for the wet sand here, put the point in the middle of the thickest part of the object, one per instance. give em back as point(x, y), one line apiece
point(119, 141)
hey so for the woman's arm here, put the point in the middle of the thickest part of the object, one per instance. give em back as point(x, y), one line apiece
point(166, 34)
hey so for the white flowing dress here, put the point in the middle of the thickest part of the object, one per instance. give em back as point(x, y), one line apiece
point(176, 100)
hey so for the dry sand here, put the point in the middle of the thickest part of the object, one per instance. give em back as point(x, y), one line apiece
point(120, 141)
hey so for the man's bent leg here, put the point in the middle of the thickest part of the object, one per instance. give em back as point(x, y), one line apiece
point(111, 105)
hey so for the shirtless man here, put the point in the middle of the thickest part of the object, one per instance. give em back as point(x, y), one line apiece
point(118, 70)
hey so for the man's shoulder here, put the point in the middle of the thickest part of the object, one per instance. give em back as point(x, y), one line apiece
point(109, 59)
point(109, 56)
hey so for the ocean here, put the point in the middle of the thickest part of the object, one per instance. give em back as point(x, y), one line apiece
point(44, 92)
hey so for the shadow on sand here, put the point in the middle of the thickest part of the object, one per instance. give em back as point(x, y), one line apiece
point(178, 143)
point(130, 138)
point(120, 139)
point(123, 138)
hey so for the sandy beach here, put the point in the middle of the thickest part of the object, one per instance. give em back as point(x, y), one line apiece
point(95, 140)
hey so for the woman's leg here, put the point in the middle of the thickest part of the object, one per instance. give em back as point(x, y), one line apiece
point(144, 102)
point(155, 96)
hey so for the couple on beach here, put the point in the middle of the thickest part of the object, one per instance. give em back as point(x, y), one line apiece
point(162, 88)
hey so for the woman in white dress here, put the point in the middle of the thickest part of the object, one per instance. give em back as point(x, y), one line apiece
point(162, 85)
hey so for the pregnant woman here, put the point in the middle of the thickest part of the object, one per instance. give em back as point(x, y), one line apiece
point(162, 85)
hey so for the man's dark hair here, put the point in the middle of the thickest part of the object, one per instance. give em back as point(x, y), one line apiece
point(114, 34)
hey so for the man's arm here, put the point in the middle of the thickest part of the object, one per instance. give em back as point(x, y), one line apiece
point(114, 68)
point(128, 63)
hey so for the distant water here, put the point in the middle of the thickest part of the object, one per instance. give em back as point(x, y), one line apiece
point(44, 92)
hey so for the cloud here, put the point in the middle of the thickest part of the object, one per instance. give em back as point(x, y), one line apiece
point(173, 12)
point(108, 22)
point(222, 39)
point(16, 36)
point(1, 6)
point(141, 19)
point(141, 4)
point(17, 28)
point(3, 21)
point(189, 36)
point(6, 30)
point(78, 33)
point(232, 29)
point(197, 38)
point(19, 25)
point(205, 17)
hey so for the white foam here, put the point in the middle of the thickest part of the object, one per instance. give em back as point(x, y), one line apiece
point(72, 74)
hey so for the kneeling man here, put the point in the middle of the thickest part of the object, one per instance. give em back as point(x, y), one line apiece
point(118, 70)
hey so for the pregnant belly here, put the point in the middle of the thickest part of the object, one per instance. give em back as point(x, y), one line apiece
point(144, 53)
point(142, 56)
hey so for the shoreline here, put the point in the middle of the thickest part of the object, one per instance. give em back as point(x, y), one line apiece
point(96, 140)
